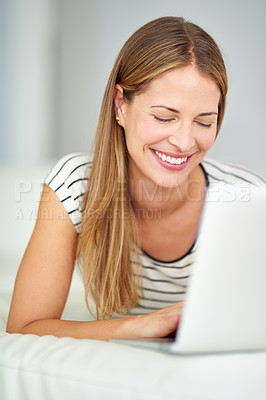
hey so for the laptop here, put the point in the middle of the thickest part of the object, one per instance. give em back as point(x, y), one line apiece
point(225, 305)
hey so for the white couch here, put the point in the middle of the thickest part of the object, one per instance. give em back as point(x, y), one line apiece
point(44, 368)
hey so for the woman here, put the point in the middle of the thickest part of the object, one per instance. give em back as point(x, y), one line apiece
point(130, 214)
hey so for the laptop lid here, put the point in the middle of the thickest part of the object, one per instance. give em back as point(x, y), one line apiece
point(226, 300)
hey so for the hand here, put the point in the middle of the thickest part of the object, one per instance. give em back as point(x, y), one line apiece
point(156, 324)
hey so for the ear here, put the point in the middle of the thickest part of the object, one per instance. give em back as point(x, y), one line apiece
point(119, 103)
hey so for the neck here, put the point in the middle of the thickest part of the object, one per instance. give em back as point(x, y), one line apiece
point(149, 198)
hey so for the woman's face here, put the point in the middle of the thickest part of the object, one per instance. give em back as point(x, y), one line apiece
point(170, 126)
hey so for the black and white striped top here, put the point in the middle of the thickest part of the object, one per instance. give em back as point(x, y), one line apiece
point(164, 282)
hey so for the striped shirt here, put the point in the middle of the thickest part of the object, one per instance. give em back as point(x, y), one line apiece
point(163, 282)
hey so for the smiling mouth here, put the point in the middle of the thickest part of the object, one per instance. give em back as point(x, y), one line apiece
point(171, 160)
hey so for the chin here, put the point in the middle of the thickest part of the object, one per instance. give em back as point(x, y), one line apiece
point(169, 183)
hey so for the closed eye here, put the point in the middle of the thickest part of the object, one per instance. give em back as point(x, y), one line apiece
point(163, 119)
point(204, 125)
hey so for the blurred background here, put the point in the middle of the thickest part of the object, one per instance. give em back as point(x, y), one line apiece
point(56, 56)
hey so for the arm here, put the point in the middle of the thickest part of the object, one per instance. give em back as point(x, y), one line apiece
point(43, 283)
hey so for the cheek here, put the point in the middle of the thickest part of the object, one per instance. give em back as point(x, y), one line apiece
point(152, 132)
point(206, 141)
point(143, 131)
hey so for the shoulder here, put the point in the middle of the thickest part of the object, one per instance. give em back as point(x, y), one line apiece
point(67, 169)
point(68, 179)
point(217, 171)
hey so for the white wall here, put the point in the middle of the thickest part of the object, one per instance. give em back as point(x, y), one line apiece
point(29, 92)
point(93, 32)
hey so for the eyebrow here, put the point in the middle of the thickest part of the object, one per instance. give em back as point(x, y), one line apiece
point(178, 112)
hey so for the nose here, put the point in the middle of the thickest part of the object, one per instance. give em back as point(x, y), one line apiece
point(183, 137)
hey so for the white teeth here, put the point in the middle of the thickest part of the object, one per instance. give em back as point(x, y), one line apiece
point(170, 160)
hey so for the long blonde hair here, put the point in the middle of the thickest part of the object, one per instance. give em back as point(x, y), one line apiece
point(108, 238)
